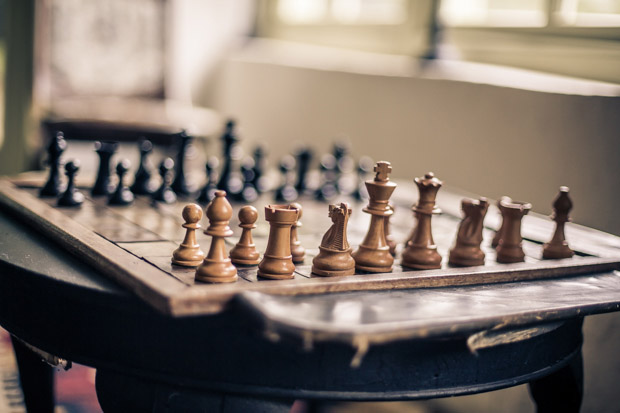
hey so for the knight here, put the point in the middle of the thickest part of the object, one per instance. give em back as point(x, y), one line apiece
point(334, 256)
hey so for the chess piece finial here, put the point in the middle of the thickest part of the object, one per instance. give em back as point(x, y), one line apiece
point(179, 184)
point(467, 252)
point(189, 254)
point(277, 263)
point(297, 250)
point(207, 193)
point(498, 233)
point(558, 247)
point(165, 194)
point(217, 267)
point(122, 195)
point(373, 254)
point(55, 149)
point(420, 251)
point(510, 248)
point(105, 150)
point(142, 184)
point(334, 256)
point(245, 253)
point(71, 197)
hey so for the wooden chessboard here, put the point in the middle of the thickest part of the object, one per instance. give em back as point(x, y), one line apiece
point(133, 245)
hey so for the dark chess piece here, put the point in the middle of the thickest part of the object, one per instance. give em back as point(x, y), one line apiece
point(55, 149)
point(364, 166)
point(286, 192)
point(297, 250)
point(277, 262)
point(344, 166)
point(327, 187)
point(244, 252)
point(122, 195)
point(102, 186)
point(498, 233)
point(373, 254)
point(180, 185)
point(466, 251)
point(249, 193)
point(71, 197)
point(389, 238)
point(420, 251)
point(558, 247)
point(165, 194)
point(334, 256)
point(217, 267)
point(189, 253)
point(260, 181)
point(231, 153)
point(207, 193)
point(142, 184)
point(304, 158)
point(510, 248)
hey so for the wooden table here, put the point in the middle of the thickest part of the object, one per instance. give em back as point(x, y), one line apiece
point(265, 351)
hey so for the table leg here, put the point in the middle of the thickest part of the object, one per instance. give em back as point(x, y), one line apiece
point(561, 391)
point(118, 392)
point(36, 378)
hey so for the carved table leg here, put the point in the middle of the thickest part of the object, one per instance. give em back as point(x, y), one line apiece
point(122, 393)
point(561, 391)
point(36, 378)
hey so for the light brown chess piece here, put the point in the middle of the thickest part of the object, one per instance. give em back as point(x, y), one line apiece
point(334, 252)
point(297, 250)
point(245, 253)
point(389, 238)
point(189, 253)
point(420, 251)
point(510, 248)
point(467, 252)
point(373, 254)
point(277, 262)
point(498, 233)
point(217, 267)
point(558, 247)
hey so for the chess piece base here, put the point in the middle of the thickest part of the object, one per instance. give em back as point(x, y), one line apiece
point(276, 268)
point(331, 263)
point(508, 255)
point(188, 257)
point(421, 258)
point(216, 271)
point(551, 252)
point(298, 255)
point(247, 263)
point(262, 274)
point(186, 263)
point(72, 200)
point(466, 257)
point(373, 260)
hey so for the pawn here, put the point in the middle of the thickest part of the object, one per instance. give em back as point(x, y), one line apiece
point(245, 253)
point(286, 192)
point(165, 194)
point(71, 197)
point(510, 248)
point(142, 184)
point(558, 247)
point(217, 267)
point(207, 193)
point(122, 195)
point(334, 256)
point(389, 238)
point(189, 253)
point(54, 151)
point(498, 234)
point(467, 252)
point(420, 251)
point(297, 250)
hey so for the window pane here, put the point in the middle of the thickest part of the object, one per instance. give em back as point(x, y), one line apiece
point(302, 11)
point(514, 13)
point(590, 13)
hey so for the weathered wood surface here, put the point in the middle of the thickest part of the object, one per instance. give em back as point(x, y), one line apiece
point(133, 245)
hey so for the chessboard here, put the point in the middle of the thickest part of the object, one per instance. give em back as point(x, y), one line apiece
point(133, 245)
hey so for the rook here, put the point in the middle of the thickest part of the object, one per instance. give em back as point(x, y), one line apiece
point(297, 250)
point(277, 263)
point(510, 248)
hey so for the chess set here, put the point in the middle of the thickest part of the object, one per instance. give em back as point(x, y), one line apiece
point(148, 237)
